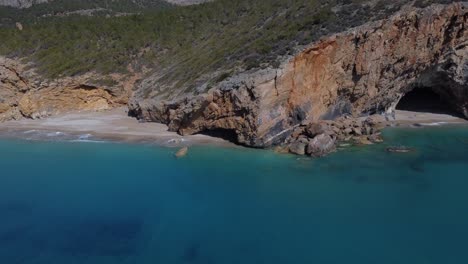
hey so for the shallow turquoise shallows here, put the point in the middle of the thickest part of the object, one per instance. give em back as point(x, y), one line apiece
point(68, 202)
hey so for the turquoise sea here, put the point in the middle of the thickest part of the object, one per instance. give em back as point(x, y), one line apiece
point(75, 202)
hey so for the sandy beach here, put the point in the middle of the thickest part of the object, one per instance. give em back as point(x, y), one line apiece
point(116, 125)
point(409, 118)
point(113, 125)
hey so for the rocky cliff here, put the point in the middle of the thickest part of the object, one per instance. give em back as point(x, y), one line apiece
point(24, 93)
point(362, 71)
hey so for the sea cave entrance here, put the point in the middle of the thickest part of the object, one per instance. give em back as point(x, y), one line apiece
point(226, 134)
point(426, 100)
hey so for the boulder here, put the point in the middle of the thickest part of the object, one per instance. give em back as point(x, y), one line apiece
point(321, 145)
point(298, 148)
point(281, 149)
point(315, 129)
point(363, 140)
point(376, 138)
point(4, 107)
point(400, 149)
point(357, 131)
point(348, 131)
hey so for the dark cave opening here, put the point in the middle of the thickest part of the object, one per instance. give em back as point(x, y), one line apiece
point(425, 100)
point(226, 134)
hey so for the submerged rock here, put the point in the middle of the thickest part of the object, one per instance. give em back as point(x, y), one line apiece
point(400, 149)
point(182, 152)
point(363, 140)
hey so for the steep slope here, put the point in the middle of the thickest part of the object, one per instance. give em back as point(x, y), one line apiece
point(189, 48)
point(21, 3)
point(44, 10)
point(24, 93)
point(365, 70)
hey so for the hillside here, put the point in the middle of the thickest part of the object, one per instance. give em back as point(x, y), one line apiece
point(186, 45)
point(43, 11)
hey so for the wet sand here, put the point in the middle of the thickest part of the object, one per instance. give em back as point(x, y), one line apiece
point(113, 125)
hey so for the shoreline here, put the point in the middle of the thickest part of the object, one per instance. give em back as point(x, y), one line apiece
point(106, 126)
point(116, 126)
point(423, 119)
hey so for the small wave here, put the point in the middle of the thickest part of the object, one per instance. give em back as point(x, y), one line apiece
point(434, 124)
point(55, 134)
point(85, 136)
point(30, 131)
point(87, 141)
point(176, 141)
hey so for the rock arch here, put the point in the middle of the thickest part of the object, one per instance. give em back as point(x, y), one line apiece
point(435, 92)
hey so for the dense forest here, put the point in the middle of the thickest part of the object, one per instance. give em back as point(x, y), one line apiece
point(221, 36)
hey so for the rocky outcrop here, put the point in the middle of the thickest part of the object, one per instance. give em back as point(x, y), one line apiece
point(53, 101)
point(12, 87)
point(319, 138)
point(187, 2)
point(359, 72)
point(21, 3)
point(24, 93)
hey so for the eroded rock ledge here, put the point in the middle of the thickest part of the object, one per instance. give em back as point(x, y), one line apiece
point(363, 71)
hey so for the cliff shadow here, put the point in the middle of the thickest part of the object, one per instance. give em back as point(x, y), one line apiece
point(225, 134)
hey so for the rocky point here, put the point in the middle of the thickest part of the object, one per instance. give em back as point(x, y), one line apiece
point(335, 83)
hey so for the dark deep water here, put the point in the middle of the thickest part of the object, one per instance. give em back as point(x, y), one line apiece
point(64, 202)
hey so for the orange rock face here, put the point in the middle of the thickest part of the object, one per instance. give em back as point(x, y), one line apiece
point(23, 93)
point(371, 65)
point(12, 87)
point(52, 101)
point(362, 71)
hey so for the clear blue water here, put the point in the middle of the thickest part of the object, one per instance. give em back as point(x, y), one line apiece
point(115, 203)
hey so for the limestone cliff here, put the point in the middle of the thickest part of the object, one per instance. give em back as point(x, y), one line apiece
point(12, 87)
point(24, 93)
point(362, 71)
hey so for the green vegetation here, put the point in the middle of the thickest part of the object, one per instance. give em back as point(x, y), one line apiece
point(38, 12)
point(184, 43)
